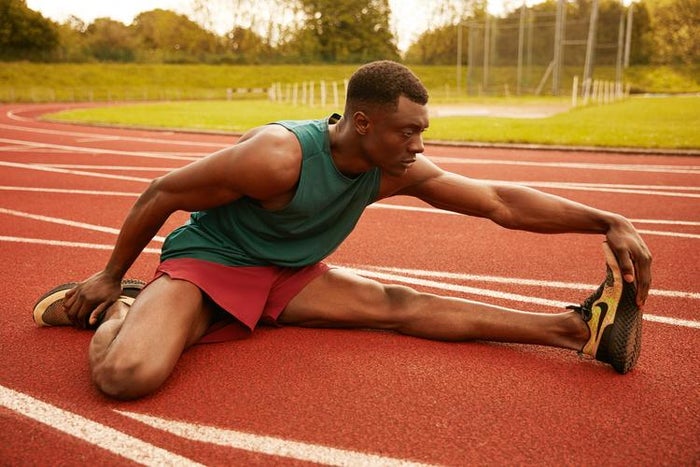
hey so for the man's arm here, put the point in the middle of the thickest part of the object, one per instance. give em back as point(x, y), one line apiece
point(522, 208)
point(263, 165)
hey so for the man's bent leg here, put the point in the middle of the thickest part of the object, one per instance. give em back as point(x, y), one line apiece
point(343, 299)
point(133, 353)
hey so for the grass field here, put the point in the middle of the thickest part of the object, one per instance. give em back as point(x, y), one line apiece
point(37, 82)
point(195, 97)
point(669, 122)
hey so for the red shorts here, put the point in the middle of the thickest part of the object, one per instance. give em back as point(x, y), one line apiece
point(250, 294)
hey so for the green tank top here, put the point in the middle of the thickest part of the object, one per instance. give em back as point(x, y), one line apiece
point(323, 211)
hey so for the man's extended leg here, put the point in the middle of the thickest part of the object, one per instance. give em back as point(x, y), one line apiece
point(606, 326)
point(131, 354)
point(343, 299)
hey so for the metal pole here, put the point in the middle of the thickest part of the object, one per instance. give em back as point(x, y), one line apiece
point(620, 42)
point(556, 71)
point(628, 36)
point(487, 51)
point(470, 57)
point(459, 57)
point(590, 50)
point(521, 44)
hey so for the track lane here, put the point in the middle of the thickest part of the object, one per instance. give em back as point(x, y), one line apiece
point(376, 392)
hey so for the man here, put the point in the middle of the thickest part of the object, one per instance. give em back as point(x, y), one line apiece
point(269, 209)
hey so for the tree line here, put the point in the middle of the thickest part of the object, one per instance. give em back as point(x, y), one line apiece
point(347, 31)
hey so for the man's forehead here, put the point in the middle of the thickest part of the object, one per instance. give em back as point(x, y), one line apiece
point(411, 112)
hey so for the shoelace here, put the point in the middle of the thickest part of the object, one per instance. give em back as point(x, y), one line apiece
point(584, 310)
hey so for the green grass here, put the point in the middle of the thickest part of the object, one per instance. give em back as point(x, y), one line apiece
point(41, 82)
point(668, 122)
point(230, 116)
point(192, 96)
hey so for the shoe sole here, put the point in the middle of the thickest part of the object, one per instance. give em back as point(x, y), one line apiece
point(620, 341)
point(54, 298)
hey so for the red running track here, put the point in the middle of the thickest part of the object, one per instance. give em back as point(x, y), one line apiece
point(292, 396)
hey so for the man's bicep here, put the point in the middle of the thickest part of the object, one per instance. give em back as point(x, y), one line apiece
point(261, 167)
point(202, 184)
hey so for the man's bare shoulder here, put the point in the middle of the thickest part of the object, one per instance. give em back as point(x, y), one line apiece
point(272, 138)
point(270, 156)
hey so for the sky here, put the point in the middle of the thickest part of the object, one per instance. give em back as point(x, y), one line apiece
point(409, 15)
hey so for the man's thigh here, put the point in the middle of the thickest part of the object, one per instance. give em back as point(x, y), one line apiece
point(166, 317)
point(340, 298)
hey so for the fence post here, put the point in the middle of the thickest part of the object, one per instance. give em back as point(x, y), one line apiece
point(574, 92)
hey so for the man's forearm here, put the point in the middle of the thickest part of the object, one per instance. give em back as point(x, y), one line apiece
point(142, 223)
point(528, 209)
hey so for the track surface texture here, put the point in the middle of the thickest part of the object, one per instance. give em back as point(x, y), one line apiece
point(294, 396)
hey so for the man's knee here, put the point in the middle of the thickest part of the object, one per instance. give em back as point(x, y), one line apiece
point(399, 306)
point(127, 376)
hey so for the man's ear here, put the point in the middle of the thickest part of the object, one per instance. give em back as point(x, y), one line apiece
point(361, 122)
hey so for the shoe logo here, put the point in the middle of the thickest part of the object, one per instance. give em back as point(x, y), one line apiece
point(603, 311)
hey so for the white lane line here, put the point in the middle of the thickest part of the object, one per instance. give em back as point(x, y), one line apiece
point(77, 134)
point(659, 190)
point(440, 211)
point(681, 169)
point(68, 191)
point(148, 154)
point(514, 280)
point(383, 276)
point(429, 210)
point(94, 433)
point(66, 244)
point(267, 444)
point(137, 168)
point(68, 222)
point(45, 168)
point(667, 234)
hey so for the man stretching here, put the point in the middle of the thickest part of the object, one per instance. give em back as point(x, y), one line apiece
point(268, 210)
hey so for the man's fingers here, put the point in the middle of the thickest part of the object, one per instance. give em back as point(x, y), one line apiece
point(69, 299)
point(626, 265)
point(643, 280)
point(97, 312)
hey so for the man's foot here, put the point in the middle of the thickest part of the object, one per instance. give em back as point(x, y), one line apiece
point(48, 310)
point(613, 318)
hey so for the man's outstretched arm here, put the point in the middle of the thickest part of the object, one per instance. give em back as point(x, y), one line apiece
point(522, 208)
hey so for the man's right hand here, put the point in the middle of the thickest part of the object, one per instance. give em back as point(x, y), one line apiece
point(85, 303)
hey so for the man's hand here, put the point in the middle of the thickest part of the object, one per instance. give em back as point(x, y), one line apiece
point(88, 300)
point(633, 256)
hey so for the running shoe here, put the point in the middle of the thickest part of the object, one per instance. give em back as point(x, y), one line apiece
point(48, 310)
point(613, 318)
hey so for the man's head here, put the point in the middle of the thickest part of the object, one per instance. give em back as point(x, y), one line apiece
point(378, 85)
point(385, 115)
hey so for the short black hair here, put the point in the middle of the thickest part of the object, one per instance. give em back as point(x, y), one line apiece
point(381, 83)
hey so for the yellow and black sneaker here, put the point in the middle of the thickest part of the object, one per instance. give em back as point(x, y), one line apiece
point(48, 310)
point(613, 318)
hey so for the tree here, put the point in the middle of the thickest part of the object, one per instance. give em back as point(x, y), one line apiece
point(72, 42)
point(246, 46)
point(171, 37)
point(110, 40)
point(676, 26)
point(25, 33)
point(345, 31)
